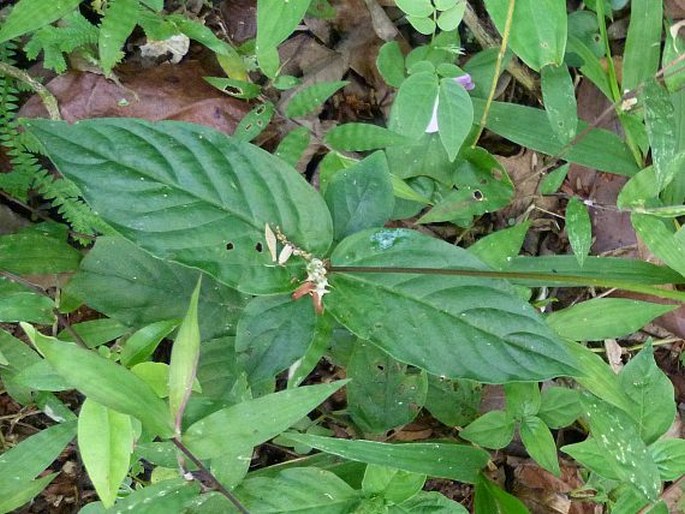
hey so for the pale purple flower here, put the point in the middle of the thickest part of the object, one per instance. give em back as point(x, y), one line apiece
point(464, 81)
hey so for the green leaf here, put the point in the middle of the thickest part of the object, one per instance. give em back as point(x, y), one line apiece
point(298, 490)
point(423, 24)
point(589, 454)
point(416, 7)
point(523, 399)
point(244, 425)
point(273, 332)
point(185, 354)
point(321, 340)
point(142, 344)
point(481, 67)
point(530, 127)
point(308, 99)
point(661, 130)
point(154, 374)
point(160, 498)
point(19, 356)
point(95, 332)
point(643, 41)
point(19, 494)
point(497, 249)
point(361, 137)
point(190, 194)
point(494, 429)
point(119, 20)
point(430, 502)
point(537, 40)
point(669, 456)
point(620, 317)
point(624, 453)
point(490, 499)
point(18, 303)
point(361, 196)
point(235, 88)
point(589, 54)
point(413, 106)
point(105, 382)
point(578, 228)
point(276, 20)
point(105, 440)
point(651, 391)
point(445, 460)
point(383, 393)
point(20, 464)
point(560, 406)
point(390, 63)
point(126, 283)
point(254, 122)
point(462, 317)
point(451, 18)
point(39, 249)
point(455, 116)
point(551, 182)
point(559, 96)
point(539, 443)
point(674, 46)
point(453, 402)
point(658, 236)
point(29, 15)
point(394, 485)
point(293, 145)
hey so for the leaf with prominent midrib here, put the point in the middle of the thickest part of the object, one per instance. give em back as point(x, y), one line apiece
point(456, 326)
point(191, 194)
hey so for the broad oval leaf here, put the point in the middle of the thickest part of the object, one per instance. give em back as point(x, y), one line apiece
point(539, 443)
point(104, 381)
point(191, 194)
point(456, 326)
point(537, 39)
point(413, 107)
point(446, 460)
point(105, 439)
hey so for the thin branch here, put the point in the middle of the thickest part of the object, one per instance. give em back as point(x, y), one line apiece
point(498, 69)
point(218, 486)
point(61, 318)
point(46, 96)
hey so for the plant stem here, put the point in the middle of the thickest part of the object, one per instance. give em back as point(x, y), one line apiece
point(570, 280)
point(46, 96)
point(218, 486)
point(498, 69)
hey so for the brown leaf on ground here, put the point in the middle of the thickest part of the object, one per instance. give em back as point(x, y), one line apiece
point(166, 92)
point(543, 493)
point(240, 19)
point(675, 9)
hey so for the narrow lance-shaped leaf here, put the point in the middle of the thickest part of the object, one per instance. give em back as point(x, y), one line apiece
point(560, 101)
point(117, 24)
point(104, 381)
point(293, 145)
point(29, 15)
point(105, 439)
point(192, 195)
point(455, 115)
point(311, 97)
point(661, 130)
point(184, 357)
point(445, 460)
point(361, 137)
point(578, 228)
point(276, 20)
point(643, 43)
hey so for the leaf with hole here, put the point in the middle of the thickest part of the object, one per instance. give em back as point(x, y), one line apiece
point(462, 317)
point(190, 194)
point(254, 122)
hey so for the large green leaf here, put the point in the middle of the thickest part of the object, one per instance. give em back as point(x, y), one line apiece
point(104, 381)
point(252, 422)
point(191, 194)
point(383, 393)
point(445, 460)
point(273, 332)
point(19, 303)
point(530, 127)
point(360, 196)
point(643, 42)
point(39, 249)
point(538, 29)
point(124, 282)
point(652, 394)
point(298, 490)
point(19, 465)
point(456, 326)
point(29, 15)
point(105, 439)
